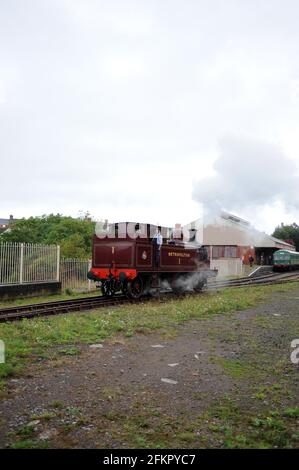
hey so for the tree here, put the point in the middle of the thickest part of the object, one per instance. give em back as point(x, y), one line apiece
point(73, 235)
point(288, 233)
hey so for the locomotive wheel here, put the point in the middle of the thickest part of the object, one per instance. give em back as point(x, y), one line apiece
point(135, 288)
point(108, 289)
point(177, 285)
point(199, 286)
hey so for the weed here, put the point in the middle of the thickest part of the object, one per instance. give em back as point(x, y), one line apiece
point(29, 444)
point(291, 412)
point(72, 351)
point(57, 404)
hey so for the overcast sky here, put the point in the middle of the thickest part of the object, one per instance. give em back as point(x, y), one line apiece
point(145, 110)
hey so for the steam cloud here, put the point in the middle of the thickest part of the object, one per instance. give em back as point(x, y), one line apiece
point(249, 173)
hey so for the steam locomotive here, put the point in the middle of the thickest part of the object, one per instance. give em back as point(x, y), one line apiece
point(125, 259)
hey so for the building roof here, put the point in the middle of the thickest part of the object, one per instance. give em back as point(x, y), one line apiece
point(228, 229)
point(282, 242)
point(234, 218)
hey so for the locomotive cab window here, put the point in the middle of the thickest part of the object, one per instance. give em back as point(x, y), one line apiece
point(192, 235)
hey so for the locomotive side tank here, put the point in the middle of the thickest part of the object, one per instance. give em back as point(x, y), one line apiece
point(125, 261)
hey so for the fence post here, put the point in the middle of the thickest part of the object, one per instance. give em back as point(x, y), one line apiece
point(89, 268)
point(58, 263)
point(21, 263)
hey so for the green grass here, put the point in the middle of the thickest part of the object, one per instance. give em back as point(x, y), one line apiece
point(235, 368)
point(49, 298)
point(6, 370)
point(46, 416)
point(291, 412)
point(26, 431)
point(57, 404)
point(30, 339)
point(225, 423)
point(222, 425)
point(71, 351)
point(29, 444)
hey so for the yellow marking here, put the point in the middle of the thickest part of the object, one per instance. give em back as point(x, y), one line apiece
point(175, 253)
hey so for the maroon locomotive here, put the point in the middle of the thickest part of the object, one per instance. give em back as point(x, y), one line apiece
point(126, 259)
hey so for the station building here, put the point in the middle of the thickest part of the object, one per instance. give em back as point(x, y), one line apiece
point(231, 240)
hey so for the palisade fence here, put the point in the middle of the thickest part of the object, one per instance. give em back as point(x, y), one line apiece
point(22, 263)
point(73, 274)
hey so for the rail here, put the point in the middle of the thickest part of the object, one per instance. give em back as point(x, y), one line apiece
point(90, 303)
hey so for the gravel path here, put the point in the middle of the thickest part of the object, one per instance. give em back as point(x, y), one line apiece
point(147, 389)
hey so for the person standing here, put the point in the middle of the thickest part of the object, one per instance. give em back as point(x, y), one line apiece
point(251, 260)
point(158, 242)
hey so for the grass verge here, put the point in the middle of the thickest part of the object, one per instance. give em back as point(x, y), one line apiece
point(49, 298)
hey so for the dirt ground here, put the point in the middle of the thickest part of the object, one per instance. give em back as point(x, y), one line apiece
point(226, 381)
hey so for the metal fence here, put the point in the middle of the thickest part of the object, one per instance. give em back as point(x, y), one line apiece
point(73, 274)
point(22, 263)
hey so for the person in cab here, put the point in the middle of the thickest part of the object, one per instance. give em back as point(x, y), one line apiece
point(157, 242)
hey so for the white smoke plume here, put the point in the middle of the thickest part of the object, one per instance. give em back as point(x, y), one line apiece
point(248, 174)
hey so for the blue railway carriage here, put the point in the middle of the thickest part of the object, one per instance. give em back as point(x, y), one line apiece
point(285, 260)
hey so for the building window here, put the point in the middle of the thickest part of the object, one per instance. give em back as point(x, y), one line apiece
point(224, 252)
point(230, 252)
point(218, 252)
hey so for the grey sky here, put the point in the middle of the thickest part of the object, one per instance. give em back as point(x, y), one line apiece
point(123, 107)
point(249, 174)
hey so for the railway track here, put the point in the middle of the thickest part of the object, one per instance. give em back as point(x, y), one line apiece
point(273, 278)
point(58, 307)
point(89, 303)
